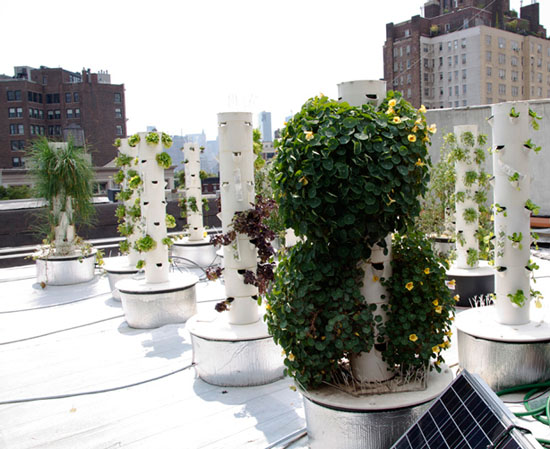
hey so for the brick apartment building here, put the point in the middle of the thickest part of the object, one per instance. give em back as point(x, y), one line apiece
point(57, 103)
point(468, 52)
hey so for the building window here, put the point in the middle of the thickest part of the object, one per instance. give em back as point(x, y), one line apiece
point(14, 95)
point(463, 42)
point(514, 45)
point(515, 91)
point(464, 74)
point(449, 45)
point(440, 76)
point(441, 46)
point(450, 91)
point(489, 71)
point(70, 113)
point(15, 112)
point(539, 91)
point(455, 43)
point(409, 78)
point(502, 89)
point(408, 50)
point(456, 91)
point(76, 97)
point(31, 130)
point(457, 103)
point(17, 145)
point(450, 61)
point(50, 114)
point(488, 56)
point(407, 32)
point(440, 91)
point(118, 97)
point(395, 52)
point(17, 162)
point(68, 97)
point(463, 58)
point(119, 130)
point(502, 74)
point(501, 42)
point(40, 113)
point(464, 89)
point(441, 61)
point(456, 59)
point(539, 79)
point(77, 113)
point(514, 61)
point(514, 76)
point(450, 77)
point(395, 66)
point(447, 27)
point(489, 88)
point(17, 129)
point(501, 58)
point(464, 102)
point(52, 98)
point(408, 64)
point(488, 39)
point(409, 92)
point(57, 114)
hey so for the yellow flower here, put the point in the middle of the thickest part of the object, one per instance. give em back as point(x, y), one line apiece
point(418, 121)
point(448, 333)
point(396, 120)
point(356, 334)
point(413, 337)
point(303, 180)
point(309, 135)
point(292, 387)
point(419, 163)
point(435, 349)
point(375, 278)
point(283, 352)
point(422, 109)
point(456, 297)
point(538, 304)
point(411, 137)
point(435, 302)
point(268, 307)
point(426, 271)
point(323, 338)
point(291, 357)
point(415, 129)
point(438, 362)
point(392, 103)
point(409, 286)
point(432, 128)
point(390, 111)
point(205, 234)
point(439, 309)
point(451, 283)
point(426, 139)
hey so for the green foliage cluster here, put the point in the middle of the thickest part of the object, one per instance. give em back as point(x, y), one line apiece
point(164, 160)
point(15, 192)
point(62, 173)
point(344, 177)
point(421, 308)
point(146, 243)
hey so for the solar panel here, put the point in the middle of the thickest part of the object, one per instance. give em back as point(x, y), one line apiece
point(467, 415)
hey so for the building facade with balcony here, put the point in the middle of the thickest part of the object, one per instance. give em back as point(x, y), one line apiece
point(457, 55)
point(59, 104)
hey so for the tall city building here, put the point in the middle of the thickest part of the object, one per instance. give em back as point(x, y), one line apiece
point(264, 119)
point(59, 104)
point(468, 52)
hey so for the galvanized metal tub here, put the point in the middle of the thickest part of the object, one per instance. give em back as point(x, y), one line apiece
point(503, 355)
point(337, 420)
point(117, 268)
point(148, 306)
point(195, 253)
point(233, 355)
point(66, 270)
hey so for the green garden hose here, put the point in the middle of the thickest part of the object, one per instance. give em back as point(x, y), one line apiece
point(540, 413)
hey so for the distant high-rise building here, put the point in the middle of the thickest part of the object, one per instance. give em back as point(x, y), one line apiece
point(60, 104)
point(468, 52)
point(265, 126)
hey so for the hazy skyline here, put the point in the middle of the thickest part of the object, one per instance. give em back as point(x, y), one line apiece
point(183, 62)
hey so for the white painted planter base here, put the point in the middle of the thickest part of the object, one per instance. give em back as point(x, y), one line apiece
point(338, 420)
point(200, 252)
point(148, 305)
point(503, 355)
point(117, 268)
point(234, 355)
point(66, 270)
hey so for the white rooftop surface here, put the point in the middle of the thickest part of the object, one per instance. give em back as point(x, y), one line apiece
point(73, 339)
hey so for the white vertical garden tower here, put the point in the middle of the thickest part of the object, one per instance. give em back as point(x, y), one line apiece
point(507, 344)
point(163, 297)
point(196, 248)
point(369, 421)
point(471, 277)
point(123, 267)
point(234, 348)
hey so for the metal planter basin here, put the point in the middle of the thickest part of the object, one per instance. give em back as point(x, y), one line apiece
point(66, 270)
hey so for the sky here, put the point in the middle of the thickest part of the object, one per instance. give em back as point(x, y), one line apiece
point(182, 61)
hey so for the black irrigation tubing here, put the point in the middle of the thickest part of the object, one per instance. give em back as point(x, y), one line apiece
point(55, 305)
point(87, 393)
point(59, 331)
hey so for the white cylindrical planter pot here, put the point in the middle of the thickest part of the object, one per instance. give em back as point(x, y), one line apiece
point(369, 367)
point(237, 194)
point(511, 191)
point(118, 268)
